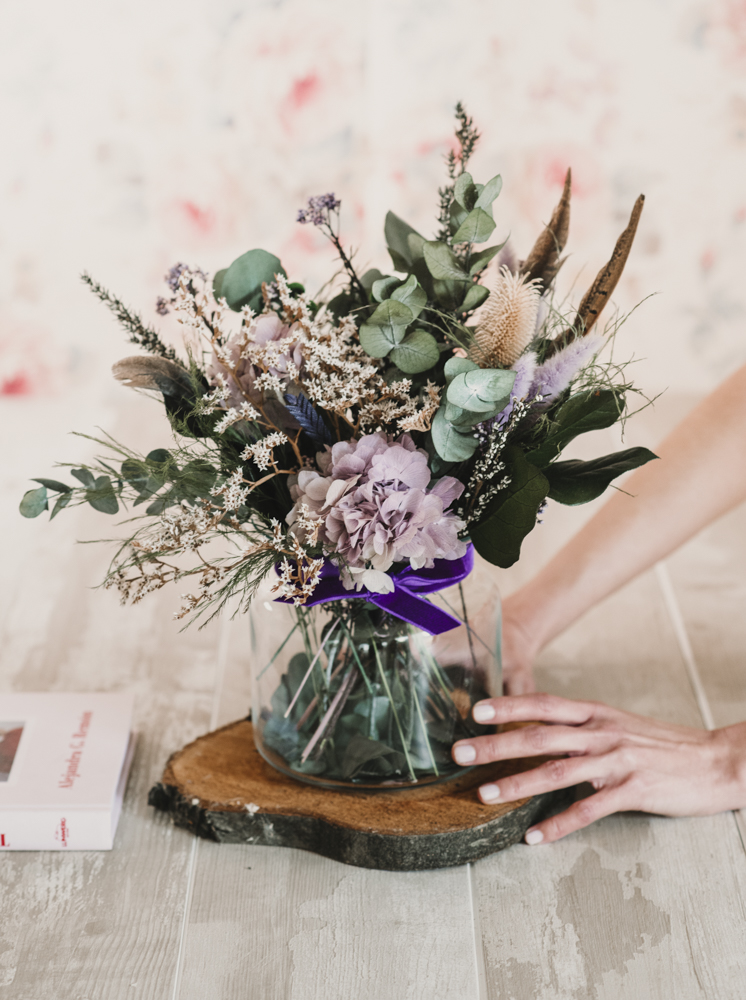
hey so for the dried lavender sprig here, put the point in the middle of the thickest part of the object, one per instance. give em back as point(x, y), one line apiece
point(139, 333)
point(319, 212)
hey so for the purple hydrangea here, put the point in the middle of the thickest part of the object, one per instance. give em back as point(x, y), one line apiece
point(373, 499)
point(267, 327)
point(318, 209)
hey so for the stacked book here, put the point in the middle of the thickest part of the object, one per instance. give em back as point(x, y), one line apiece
point(64, 761)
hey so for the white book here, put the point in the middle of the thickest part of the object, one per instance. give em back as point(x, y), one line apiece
point(64, 761)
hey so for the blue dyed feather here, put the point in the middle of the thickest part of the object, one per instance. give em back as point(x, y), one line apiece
point(303, 410)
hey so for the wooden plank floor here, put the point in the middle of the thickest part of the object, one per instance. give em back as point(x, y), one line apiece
point(635, 906)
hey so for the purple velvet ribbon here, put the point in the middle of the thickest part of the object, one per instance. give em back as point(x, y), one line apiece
point(406, 600)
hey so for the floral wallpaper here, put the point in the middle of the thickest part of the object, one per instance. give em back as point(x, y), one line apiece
point(137, 135)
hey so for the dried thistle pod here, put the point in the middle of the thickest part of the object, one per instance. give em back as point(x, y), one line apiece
point(603, 286)
point(145, 372)
point(544, 261)
point(507, 323)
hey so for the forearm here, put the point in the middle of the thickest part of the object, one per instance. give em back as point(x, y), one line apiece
point(700, 475)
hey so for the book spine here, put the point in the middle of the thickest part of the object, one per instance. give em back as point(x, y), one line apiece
point(50, 830)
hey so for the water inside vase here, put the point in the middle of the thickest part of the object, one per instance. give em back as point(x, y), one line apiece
point(346, 695)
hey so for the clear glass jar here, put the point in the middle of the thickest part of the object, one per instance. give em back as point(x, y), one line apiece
point(347, 696)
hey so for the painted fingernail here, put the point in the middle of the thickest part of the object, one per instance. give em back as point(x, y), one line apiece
point(483, 712)
point(534, 837)
point(464, 754)
point(489, 793)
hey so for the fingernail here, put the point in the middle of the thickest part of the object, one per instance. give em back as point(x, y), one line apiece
point(489, 793)
point(464, 754)
point(534, 837)
point(483, 712)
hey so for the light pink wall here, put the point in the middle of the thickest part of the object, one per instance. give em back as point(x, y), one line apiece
point(138, 134)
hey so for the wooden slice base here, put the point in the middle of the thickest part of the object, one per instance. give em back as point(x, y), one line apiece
point(220, 788)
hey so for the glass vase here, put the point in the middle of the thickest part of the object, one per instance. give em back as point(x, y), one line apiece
point(347, 696)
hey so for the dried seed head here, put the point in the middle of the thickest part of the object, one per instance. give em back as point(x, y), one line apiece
point(508, 320)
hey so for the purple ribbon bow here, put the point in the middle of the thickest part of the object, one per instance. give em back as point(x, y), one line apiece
point(405, 601)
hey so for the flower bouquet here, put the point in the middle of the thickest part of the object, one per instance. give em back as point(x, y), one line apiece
point(338, 460)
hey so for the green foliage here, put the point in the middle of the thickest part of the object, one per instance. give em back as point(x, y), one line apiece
point(217, 284)
point(84, 476)
point(101, 496)
point(34, 502)
point(489, 193)
point(591, 410)
point(450, 443)
point(370, 277)
point(478, 261)
point(575, 482)
point(512, 515)
point(242, 282)
point(54, 485)
point(411, 294)
point(456, 366)
point(418, 352)
point(397, 233)
point(485, 390)
point(475, 296)
point(385, 328)
point(382, 288)
point(477, 227)
point(442, 262)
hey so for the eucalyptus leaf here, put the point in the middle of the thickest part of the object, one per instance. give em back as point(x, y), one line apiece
point(512, 515)
point(478, 261)
point(217, 283)
point(451, 444)
point(136, 473)
point(397, 231)
point(34, 502)
point(385, 328)
point(160, 504)
point(416, 244)
point(242, 281)
point(489, 192)
point(400, 262)
point(382, 288)
point(475, 296)
point(102, 496)
point(575, 482)
point(54, 485)
point(585, 411)
point(442, 262)
point(457, 366)
point(477, 227)
point(448, 293)
point(374, 341)
point(360, 750)
point(62, 501)
point(371, 275)
point(457, 214)
point(418, 352)
point(464, 191)
point(481, 390)
point(195, 479)
point(83, 476)
point(411, 294)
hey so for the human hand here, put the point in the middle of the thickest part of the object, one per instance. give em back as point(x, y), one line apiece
point(633, 762)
